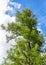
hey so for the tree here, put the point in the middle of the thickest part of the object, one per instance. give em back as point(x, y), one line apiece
point(28, 40)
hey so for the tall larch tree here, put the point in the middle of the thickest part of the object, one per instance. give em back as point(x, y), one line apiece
point(28, 40)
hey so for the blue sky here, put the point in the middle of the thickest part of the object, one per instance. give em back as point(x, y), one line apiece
point(7, 14)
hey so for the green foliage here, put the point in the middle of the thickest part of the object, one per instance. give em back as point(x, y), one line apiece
point(28, 40)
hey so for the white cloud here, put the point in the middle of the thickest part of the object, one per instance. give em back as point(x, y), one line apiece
point(9, 8)
point(39, 27)
point(3, 8)
point(16, 5)
point(12, 7)
point(4, 19)
point(3, 5)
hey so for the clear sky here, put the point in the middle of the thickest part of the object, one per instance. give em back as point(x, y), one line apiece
point(7, 14)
